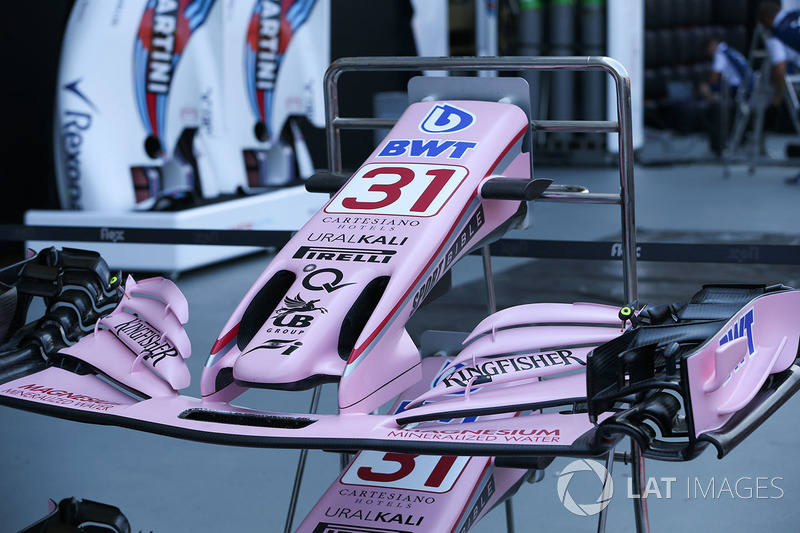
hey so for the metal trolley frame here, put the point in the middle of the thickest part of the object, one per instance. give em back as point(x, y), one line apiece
point(335, 123)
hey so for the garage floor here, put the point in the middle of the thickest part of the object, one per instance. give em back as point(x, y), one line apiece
point(168, 485)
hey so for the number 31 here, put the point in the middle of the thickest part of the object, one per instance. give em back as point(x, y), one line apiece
point(413, 189)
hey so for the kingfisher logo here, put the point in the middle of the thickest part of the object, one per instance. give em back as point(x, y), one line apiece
point(272, 25)
point(164, 31)
point(446, 118)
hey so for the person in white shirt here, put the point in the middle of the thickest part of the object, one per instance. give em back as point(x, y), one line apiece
point(783, 46)
point(783, 60)
point(728, 65)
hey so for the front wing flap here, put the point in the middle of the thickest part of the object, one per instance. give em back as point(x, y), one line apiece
point(86, 398)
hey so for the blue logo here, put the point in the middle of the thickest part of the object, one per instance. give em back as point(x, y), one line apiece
point(426, 148)
point(445, 118)
point(73, 88)
point(744, 328)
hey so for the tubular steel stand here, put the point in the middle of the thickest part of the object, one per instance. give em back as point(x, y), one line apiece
point(638, 486)
point(491, 301)
point(491, 305)
point(301, 466)
point(603, 516)
point(334, 124)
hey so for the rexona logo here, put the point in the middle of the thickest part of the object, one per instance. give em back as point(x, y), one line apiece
point(446, 118)
point(75, 122)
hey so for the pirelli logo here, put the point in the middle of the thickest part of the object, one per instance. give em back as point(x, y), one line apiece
point(350, 255)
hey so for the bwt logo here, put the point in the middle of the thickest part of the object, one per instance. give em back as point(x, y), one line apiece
point(445, 118)
point(743, 328)
point(426, 148)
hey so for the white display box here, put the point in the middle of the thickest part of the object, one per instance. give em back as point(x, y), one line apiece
point(282, 209)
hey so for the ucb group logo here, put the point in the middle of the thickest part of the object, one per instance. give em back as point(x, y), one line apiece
point(293, 314)
point(446, 118)
point(585, 509)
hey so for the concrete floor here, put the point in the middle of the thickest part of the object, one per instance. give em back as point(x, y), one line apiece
point(164, 484)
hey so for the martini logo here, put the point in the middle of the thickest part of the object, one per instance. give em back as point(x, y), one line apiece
point(163, 34)
point(446, 118)
point(272, 25)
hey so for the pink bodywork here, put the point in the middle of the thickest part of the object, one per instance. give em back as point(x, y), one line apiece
point(412, 233)
point(729, 369)
point(143, 336)
point(395, 228)
point(340, 294)
point(207, 419)
point(410, 491)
